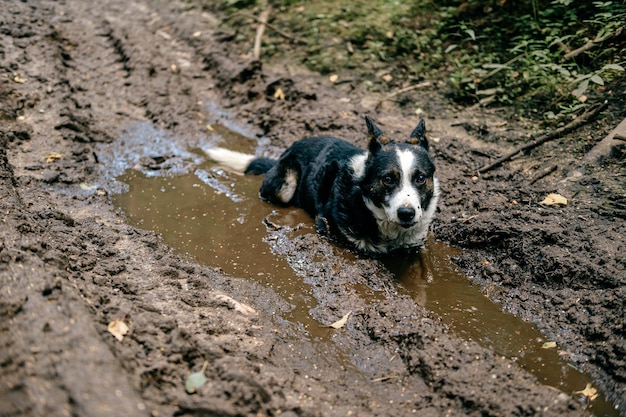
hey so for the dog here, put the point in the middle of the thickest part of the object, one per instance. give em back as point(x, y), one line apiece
point(376, 201)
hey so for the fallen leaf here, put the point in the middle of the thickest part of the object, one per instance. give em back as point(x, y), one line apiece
point(196, 379)
point(589, 392)
point(554, 199)
point(548, 345)
point(244, 309)
point(333, 78)
point(118, 329)
point(388, 78)
point(279, 94)
point(53, 157)
point(341, 322)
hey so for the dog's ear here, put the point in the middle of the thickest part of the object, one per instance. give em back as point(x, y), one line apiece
point(418, 136)
point(377, 139)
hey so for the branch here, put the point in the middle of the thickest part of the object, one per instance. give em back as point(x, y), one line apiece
point(259, 33)
point(423, 84)
point(592, 43)
point(269, 26)
point(579, 121)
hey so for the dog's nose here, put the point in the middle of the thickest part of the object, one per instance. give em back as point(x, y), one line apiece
point(406, 214)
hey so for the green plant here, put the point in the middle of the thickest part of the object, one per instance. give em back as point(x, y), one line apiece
point(489, 51)
point(524, 59)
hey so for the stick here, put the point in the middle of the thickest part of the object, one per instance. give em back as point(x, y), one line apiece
point(403, 90)
point(543, 174)
point(259, 33)
point(592, 43)
point(409, 88)
point(269, 26)
point(579, 121)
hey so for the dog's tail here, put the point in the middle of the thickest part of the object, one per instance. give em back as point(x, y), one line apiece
point(240, 162)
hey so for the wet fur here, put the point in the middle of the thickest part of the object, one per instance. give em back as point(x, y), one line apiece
point(376, 201)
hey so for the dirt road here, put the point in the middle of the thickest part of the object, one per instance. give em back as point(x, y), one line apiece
point(74, 74)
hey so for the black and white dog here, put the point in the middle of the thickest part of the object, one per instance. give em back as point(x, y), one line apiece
point(376, 201)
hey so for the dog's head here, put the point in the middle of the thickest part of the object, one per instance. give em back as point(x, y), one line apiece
point(397, 178)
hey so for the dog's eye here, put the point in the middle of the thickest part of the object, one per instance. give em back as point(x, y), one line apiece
point(388, 180)
point(420, 179)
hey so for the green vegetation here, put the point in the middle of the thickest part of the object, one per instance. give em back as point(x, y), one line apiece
point(493, 52)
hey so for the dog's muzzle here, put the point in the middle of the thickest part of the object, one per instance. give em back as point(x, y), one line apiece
point(406, 215)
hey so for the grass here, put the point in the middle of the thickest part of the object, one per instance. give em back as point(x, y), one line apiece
point(490, 52)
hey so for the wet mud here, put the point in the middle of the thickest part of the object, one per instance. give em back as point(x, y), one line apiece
point(99, 98)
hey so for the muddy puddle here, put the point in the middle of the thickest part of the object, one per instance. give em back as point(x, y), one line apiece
point(216, 218)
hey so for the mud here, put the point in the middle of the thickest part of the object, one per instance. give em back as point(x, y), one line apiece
point(78, 76)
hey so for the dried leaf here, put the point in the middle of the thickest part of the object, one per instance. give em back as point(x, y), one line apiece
point(279, 94)
point(244, 309)
point(548, 345)
point(589, 392)
point(53, 157)
point(554, 199)
point(118, 329)
point(196, 379)
point(341, 322)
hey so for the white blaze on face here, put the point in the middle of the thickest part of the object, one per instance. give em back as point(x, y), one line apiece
point(406, 195)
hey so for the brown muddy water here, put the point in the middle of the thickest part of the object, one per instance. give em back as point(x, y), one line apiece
point(216, 218)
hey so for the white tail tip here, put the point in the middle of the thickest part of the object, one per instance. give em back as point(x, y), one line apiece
point(233, 160)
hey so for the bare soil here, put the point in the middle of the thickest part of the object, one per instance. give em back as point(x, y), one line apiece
point(75, 73)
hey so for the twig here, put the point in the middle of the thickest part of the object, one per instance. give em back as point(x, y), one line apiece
point(269, 26)
point(409, 88)
point(543, 174)
point(259, 33)
point(579, 121)
point(384, 378)
point(403, 90)
point(593, 43)
point(469, 218)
